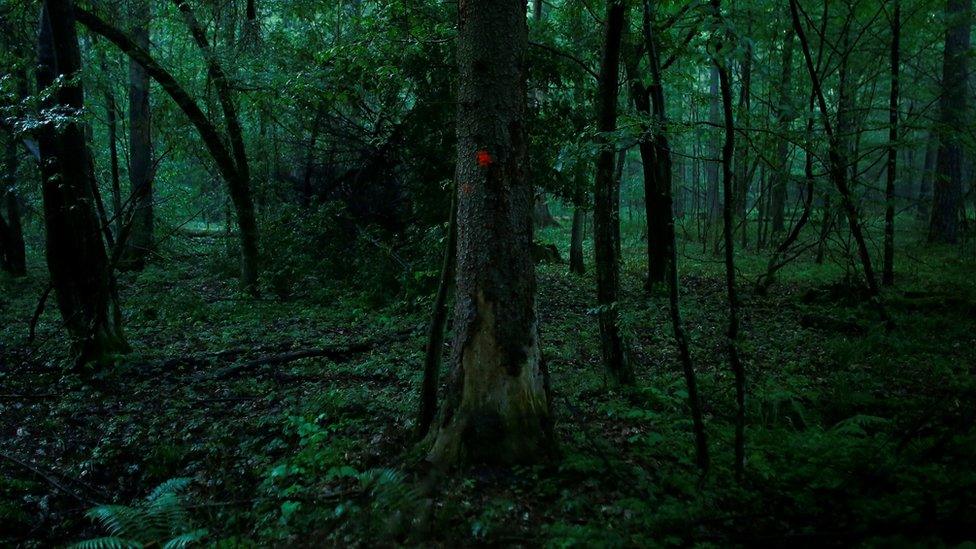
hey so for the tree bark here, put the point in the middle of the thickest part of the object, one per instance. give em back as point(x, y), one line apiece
point(79, 266)
point(888, 269)
point(656, 159)
point(728, 215)
point(947, 195)
point(498, 405)
point(140, 240)
point(612, 344)
point(435, 334)
point(665, 208)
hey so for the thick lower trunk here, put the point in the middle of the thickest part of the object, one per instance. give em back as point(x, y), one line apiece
point(78, 263)
point(497, 407)
point(139, 242)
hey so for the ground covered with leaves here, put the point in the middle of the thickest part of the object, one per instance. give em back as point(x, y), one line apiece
point(242, 422)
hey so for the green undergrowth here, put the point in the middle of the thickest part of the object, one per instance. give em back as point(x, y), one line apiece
point(855, 435)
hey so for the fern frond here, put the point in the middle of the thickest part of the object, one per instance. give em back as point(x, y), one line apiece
point(171, 486)
point(120, 520)
point(108, 542)
point(184, 540)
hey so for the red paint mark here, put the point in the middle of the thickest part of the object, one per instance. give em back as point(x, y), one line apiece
point(484, 158)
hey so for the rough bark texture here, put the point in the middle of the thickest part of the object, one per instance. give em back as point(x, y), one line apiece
point(497, 408)
point(139, 243)
point(78, 263)
point(947, 195)
point(605, 228)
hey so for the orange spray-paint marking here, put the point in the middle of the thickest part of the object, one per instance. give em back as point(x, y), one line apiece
point(484, 158)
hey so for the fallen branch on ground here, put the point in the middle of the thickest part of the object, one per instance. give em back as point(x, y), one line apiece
point(335, 353)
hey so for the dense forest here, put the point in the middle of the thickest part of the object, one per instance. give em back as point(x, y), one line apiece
point(563, 273)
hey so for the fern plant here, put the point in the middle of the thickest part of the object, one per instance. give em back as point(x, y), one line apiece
point(159, 520)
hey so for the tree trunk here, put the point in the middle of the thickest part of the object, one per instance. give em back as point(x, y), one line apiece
point(435, 334)
point(728, 214)
point(838, 172)
point(714, 148)
point(232, 164)
point(618, 177)
point(947, 195)
point(12, 254)
point(79, 266)
point(576, 263)
point(928, 172)
point(140, 240)
point(780, 175)
point(888, 270)
point(612, 343)
point(662, 165)
point(656, 159)
point(498, 406)
point(743, 174)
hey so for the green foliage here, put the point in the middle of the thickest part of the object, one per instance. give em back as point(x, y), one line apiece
point(161, 519)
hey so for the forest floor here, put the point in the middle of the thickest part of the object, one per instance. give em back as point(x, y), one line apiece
point(854, 435)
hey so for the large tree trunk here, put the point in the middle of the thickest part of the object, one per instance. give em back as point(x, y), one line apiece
point(497, 407)
point(79, 266)
point(947, 196)
point(139, 243)
point(888, 270)
point(607, 261)
point(743, 174)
